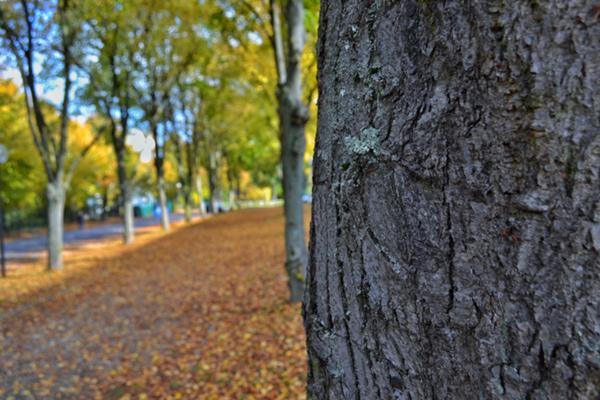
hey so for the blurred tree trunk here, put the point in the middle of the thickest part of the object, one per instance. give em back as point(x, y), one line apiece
point(190, 172)
point(162, 199)
point(232, 178)
point(118, 140)
point(212, 182)
point(455, 242)
point(104, 203)
point(159, 160)
point(232, 199)
point(125, 195)
point(184, 174)
point(128, 217)
point(55, 194)
point(202, 206)
point(293, 115)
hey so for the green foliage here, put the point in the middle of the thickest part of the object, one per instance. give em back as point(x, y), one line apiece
point(202, 72)
point(21, 177)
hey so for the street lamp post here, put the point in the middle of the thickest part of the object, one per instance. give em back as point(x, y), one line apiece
point(3, 159)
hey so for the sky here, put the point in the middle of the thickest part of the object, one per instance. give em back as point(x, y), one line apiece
point(51, 91)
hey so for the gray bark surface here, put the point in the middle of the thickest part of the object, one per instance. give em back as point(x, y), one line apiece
point(128, 219)
point(55, 194)
point(455, 241)
point(125, 190)
point(162, 199)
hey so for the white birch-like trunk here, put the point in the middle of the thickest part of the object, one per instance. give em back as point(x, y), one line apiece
point(164, 210)
point(55, 193)
point(128, 220)
point(126, 199)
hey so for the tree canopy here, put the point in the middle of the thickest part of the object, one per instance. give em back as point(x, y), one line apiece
point(199, 76)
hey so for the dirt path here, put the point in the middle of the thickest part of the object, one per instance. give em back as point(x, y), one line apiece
point(200, 313)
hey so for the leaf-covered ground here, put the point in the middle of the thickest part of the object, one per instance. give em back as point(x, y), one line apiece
point(200, 313)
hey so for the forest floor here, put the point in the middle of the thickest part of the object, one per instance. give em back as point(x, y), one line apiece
point(198, 313)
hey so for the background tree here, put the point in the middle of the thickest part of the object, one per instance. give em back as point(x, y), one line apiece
point(97, 165)
point(33, 31)
point(21, 179)
point(293, 115)
point(110, 27)
point(186, 142)
point(287, 49)
point(456, 222)
point(167, 49)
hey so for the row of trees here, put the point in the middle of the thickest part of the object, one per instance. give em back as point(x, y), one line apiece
point(202, 79)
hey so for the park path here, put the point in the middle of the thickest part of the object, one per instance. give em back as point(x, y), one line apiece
point(200, 313)
point(34, 247)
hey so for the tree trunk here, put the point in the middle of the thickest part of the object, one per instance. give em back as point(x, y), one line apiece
point(104, 203)
point(231, 200)
point(274, 191)
point(162, 198)
point(231, 186)
point(293, 116)
point(202, 206)
point(55, 192)
point(128, 218)
point(212, 183)
point(125, 197)
point(187, 200)
point(455, 241)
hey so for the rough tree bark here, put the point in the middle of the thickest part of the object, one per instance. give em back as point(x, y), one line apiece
point(455, 242)
point(293, 115)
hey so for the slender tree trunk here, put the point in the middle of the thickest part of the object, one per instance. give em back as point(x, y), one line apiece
point(164, 209)
point(231, 193)
point(125, 195)
point(188, 212)
point(104, 203)
point(232, 199)
point(159, 167)
point(274, 191)
point(455, 241)
point(293, 116)
point(202, 206)
point(128, 218)
point(55, 192)
point(187, 200)
point(212, 183)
